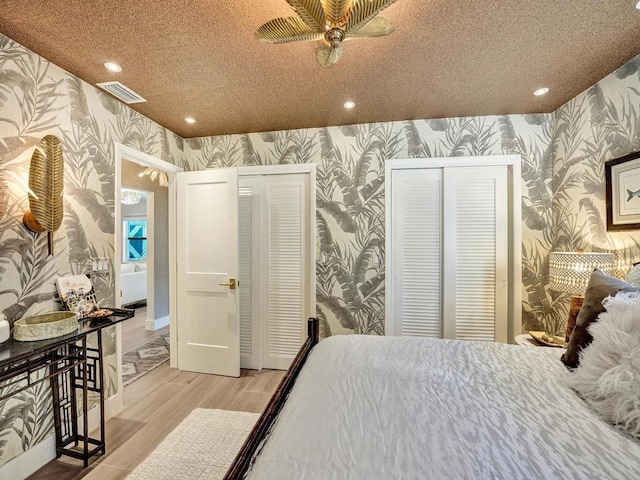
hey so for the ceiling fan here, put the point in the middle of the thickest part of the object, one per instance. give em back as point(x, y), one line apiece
point(331, 22)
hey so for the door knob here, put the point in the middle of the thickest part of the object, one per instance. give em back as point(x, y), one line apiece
point(231, 284)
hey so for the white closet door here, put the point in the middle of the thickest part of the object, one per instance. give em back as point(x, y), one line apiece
point(285, 225)
point(416, 214)
point(475, 253)
point(249, 291)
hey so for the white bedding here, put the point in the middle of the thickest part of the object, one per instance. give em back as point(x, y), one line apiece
point(409, 408)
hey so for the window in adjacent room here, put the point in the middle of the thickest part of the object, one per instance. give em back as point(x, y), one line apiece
point(135, 240)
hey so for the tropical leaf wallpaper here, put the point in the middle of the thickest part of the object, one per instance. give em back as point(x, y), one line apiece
point(598, 125)
point(36, 99)
point(562, 179)
point(350, 210)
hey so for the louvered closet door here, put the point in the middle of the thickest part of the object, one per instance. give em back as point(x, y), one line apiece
point(475, 253)
point(416, 213)
point(249, 291)
point(285, 226)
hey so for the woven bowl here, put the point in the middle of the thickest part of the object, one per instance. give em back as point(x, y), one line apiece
point(47, 325)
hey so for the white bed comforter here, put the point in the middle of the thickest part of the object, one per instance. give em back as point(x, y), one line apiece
point(409, 408)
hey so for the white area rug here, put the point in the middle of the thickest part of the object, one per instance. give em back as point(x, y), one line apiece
point(201, 447)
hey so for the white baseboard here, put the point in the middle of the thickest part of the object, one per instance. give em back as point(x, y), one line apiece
point(155, 324)
point(20, 467)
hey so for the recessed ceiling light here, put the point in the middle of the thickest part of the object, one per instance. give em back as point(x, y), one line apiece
point(113, 67)
point(541, 91)
point(638, 5)
point(190, 120)
point(349, 105)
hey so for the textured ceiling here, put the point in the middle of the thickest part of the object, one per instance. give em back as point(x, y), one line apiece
point(446, 58)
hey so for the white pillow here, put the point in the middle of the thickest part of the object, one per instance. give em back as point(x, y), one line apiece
point(608, 377)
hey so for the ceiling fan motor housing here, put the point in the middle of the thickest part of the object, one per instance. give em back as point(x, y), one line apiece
point(334, 36)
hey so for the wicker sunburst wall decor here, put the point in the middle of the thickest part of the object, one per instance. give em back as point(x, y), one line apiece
point(46, 181)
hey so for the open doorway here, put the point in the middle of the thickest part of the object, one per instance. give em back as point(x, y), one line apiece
point(144, 253)
point(144, 268)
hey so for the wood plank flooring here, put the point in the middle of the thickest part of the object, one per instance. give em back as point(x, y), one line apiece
point(154, 405)
point(134, 334)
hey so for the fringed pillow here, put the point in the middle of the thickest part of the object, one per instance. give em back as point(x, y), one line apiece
point(608, 377)
point(600, 287)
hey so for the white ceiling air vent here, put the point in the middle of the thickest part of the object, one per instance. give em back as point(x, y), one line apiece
point(121, 92)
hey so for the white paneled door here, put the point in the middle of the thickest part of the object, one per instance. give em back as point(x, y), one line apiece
point(207, 257)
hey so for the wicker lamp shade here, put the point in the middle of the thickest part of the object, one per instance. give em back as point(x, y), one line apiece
point(569, 272)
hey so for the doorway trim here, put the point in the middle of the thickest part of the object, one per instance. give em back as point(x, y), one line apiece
point(123, 152)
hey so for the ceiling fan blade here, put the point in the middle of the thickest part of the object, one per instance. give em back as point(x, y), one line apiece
point(337, 10)
point(378, 27)
point(283, 30)
point(327, 56)
point(311, 12)
point(363, 12)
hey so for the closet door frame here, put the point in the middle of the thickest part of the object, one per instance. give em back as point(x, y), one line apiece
point(310, 267)
point(512, 163)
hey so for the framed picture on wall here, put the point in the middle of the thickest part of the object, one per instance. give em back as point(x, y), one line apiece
point(622, 178)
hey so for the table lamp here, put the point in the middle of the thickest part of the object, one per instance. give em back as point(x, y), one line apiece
point(569, 272)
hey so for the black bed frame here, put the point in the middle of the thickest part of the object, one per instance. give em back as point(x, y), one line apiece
point(243, 460)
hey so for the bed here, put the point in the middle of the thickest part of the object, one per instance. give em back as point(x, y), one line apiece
point(416, 408)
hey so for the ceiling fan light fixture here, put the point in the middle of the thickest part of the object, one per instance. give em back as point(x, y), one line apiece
point(541, 91)
point(349, 105)
point(329, 21)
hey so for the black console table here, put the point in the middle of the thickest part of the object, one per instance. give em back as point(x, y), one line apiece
point(71, 367)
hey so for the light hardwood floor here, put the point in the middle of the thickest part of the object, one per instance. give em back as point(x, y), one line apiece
point(154, 405)
point(134, 334)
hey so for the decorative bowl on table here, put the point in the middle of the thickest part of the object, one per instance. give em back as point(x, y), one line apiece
point(45, 326)
point(548, 339)
point(100, 314)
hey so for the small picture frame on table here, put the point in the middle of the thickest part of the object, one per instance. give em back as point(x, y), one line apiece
point(622, 178)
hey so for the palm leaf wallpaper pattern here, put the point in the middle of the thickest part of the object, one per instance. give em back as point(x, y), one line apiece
point(36, 99)
point(563, 157)
point(350, 198)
